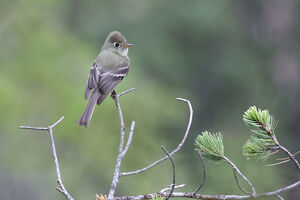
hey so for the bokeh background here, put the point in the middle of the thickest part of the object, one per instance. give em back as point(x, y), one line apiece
point(222, 55)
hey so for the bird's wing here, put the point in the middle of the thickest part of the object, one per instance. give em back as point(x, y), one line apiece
point(109, 80)
point(93, 79)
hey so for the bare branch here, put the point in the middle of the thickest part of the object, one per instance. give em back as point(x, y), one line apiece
point(125, 92)
point(119, 158)
point(129, 139)
point(61, 187)
point(174, 151)
point(204, 173)
point(240, 173)
point(169, 188)
point(173, 167)
point(53, 125)
point(35, 128)
point(211, 197)
point(122, 151)
point(238, 184)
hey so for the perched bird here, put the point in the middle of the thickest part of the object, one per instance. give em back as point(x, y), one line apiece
point(109, 68)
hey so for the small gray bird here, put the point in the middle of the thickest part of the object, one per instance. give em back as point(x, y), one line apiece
point(109, 68)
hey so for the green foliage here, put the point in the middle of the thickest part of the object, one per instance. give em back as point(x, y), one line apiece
point(210, 145)
point(259, 119)
point(157, 197)
point(262, 133)
point(255, 147)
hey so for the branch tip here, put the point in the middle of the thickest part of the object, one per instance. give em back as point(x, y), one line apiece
point(125, 92)
point(57, 122)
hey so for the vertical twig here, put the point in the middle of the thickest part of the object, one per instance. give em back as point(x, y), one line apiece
point(129, 138)
point(61, 187)
point(121, 150)
point(204, 173)
point(173, 167)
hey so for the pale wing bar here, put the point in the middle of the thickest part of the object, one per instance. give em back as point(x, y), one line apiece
point(109, 80)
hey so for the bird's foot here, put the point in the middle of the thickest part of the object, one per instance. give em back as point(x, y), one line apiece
point(113, 94)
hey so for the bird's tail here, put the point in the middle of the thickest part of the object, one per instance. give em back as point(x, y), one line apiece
point(86, 116)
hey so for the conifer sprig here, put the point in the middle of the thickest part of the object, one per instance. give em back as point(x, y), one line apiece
point(210, 145)
point(262, 138)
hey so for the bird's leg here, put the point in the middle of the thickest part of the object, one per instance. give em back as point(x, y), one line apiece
point(113, 94)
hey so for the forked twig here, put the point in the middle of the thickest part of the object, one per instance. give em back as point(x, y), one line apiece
point(174, 151)
point(61, 187)
point(238, 184)
point(240, 173)
point(121, 150)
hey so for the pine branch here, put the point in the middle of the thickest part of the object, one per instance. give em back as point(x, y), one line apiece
point(210, 145)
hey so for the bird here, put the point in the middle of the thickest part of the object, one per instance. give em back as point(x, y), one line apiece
point(109, 68)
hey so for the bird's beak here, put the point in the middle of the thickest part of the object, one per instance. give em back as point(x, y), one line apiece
point(128, 45)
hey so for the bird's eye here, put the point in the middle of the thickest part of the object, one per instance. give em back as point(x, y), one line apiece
point(116, 44)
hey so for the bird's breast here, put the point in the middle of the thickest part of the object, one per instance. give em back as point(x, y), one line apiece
point(109, 61)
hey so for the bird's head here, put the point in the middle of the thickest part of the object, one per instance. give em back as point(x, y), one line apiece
point(117, 43)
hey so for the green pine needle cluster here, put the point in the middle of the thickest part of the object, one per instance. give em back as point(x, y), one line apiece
point(210, 145)
point(157, 197)
point(262, 134)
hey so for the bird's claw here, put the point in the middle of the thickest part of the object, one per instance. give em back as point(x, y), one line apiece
point(113, 94)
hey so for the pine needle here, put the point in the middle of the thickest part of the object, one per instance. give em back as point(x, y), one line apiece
point(210, 145)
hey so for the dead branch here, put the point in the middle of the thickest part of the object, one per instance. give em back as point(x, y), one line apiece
point(61, 187)
point(174, 151)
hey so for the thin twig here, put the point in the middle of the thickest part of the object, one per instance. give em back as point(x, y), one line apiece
point(174, 151)
point(35, 128)
point(61, 187)
point(238, 184)
point(211, 197)
point(283, 160)
point(53, 125)
point(122, 151)
point(204, 173)
point(287, 158)
point(129, 139)
point(125, 92)
point(173, 167)
point(290, 156)
point(282, 148)
point(280, 197)
point(278, 163)
point(119, 158)
point(240, 173)
point(169, 188)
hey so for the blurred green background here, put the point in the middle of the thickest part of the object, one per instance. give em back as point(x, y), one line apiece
point(222, 55)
